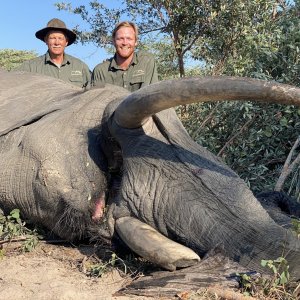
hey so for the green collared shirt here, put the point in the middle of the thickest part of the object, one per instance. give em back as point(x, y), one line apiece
point(72, 69)
point(141, 72)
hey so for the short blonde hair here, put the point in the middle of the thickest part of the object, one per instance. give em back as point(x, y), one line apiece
point(125, 24)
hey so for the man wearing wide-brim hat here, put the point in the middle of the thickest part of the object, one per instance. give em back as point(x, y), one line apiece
point(55, 62)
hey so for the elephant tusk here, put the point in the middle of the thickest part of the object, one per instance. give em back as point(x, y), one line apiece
point(153, 246)
point(139, 106)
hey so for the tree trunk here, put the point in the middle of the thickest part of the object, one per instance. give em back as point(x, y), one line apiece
point(215, 270)
point(288, 167)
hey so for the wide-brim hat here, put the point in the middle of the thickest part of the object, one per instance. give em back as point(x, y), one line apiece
point(56, 24)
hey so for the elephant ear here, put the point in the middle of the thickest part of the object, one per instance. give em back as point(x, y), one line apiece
point(153, 246)
point(17, 110)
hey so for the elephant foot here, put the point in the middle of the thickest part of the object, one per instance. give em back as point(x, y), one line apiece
point(153, 246)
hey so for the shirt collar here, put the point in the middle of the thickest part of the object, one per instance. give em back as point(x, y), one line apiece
point(113, 63)
point(65, 61)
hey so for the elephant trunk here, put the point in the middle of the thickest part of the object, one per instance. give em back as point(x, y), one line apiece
point(134, 111)
point(250, 237)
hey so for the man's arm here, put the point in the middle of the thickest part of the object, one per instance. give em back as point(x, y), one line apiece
point(154, 77)
point(86, 76)
point(98, 74)
point(25, 66)
point(151, 75)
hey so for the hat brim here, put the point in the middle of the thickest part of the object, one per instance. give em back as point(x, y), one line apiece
point(43, 32)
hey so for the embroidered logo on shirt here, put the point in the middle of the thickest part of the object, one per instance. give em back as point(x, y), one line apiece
point(138, 73)
point(76, 73)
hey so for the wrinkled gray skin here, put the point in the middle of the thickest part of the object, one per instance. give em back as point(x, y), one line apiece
point(60, 153)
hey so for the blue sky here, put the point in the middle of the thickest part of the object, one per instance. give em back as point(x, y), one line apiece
point(20, 19)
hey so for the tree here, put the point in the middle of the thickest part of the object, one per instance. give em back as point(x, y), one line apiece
point(212, 32)
point(281, 60)
point(253, 139)
point(10, 59)
point(238, 30)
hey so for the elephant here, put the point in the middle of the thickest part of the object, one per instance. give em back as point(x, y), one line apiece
point(104, 162)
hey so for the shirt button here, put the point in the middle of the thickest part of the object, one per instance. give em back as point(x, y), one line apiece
point(125, 85)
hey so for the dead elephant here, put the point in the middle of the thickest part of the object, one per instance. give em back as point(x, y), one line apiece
point(66, 153)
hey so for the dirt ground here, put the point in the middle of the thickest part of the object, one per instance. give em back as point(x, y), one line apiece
point(56, 272)
point(62, 272)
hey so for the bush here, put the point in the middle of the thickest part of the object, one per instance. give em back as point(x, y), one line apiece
point(253, 139)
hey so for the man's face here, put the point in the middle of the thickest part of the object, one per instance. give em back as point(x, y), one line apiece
point(56, 42)
point(125, 41)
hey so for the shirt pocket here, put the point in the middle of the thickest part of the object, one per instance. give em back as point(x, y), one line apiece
point(75, 76)
point(137, 80)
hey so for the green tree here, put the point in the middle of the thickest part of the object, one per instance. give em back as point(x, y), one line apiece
point(253, 139)
point(281, 59)
point(240, 31)
point(219, 34)
point(10, 58)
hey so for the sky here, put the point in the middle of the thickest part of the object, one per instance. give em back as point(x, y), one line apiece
point(20, 19)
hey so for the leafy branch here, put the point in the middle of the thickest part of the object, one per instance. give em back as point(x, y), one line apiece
point(13, 229)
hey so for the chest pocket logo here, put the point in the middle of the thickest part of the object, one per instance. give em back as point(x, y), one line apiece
point(76, 76)
point(76, 73)
point(138, 77)
point(138, 73)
